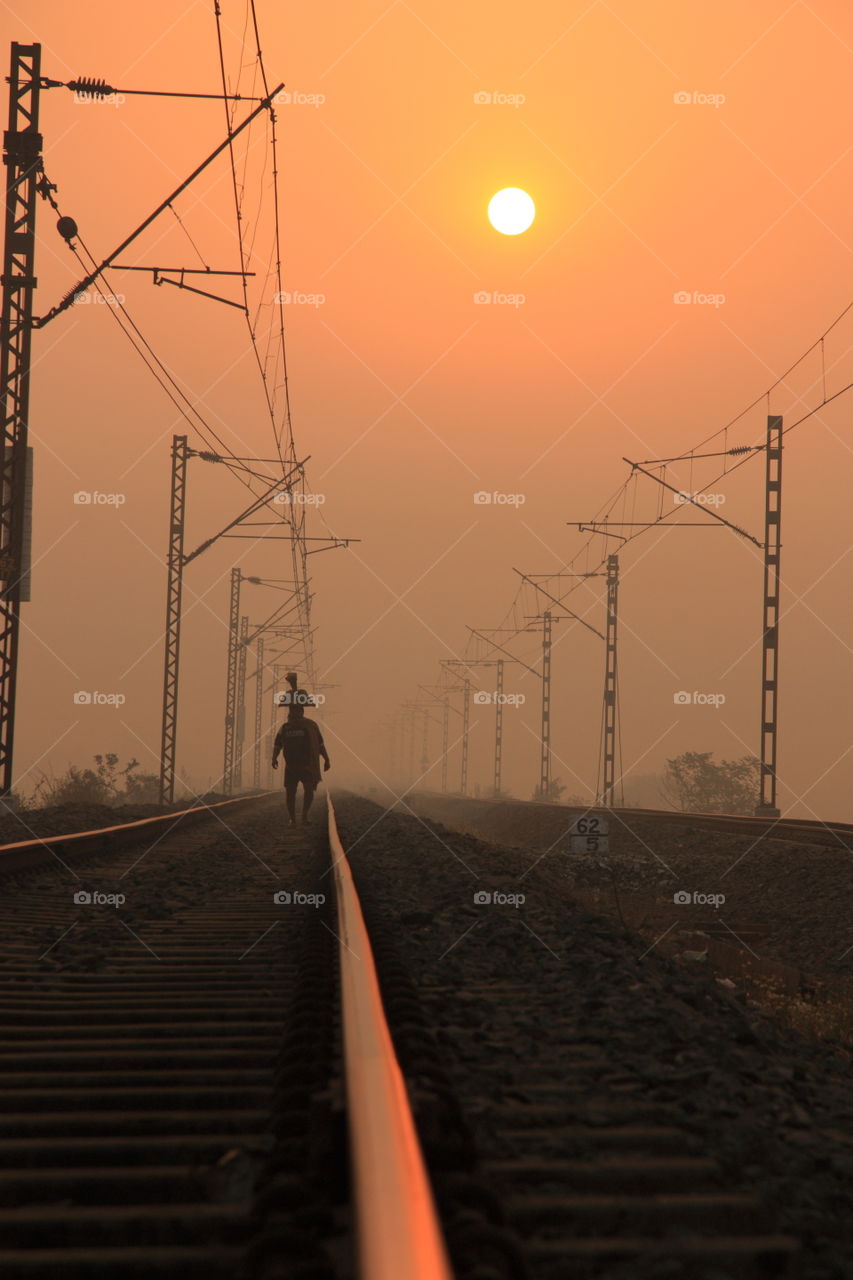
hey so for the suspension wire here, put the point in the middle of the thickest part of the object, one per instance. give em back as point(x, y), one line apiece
point(208, 433)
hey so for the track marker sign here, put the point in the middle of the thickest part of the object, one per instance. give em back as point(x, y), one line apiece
point(589, 834)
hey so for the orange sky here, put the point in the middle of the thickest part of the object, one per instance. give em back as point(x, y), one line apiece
point(409, 396)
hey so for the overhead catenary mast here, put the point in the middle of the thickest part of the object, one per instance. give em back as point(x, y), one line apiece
point(24, 180)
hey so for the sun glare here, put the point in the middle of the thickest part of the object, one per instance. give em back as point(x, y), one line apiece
point(511, 211)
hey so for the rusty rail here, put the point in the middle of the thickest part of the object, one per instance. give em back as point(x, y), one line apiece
point(398, 1229)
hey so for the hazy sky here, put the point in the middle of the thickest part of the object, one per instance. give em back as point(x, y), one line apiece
point(410, 395)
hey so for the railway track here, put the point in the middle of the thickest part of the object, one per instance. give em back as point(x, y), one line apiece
point(140, 1040)
point(811, 830)
point(183, 1095)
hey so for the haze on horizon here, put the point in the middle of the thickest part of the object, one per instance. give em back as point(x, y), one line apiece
point(670, 155)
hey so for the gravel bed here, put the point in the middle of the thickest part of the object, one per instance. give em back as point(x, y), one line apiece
point(773, 1108)
point(798, 894)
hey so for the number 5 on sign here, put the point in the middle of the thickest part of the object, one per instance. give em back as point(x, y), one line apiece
point(589, 834)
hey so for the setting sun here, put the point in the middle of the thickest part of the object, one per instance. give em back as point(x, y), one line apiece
point(511, 211)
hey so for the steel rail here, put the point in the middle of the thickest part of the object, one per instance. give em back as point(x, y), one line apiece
point(812, 830)
point(399, 1236)
point(23, 854)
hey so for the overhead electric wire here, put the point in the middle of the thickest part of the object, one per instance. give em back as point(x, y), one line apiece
point(201, 424)
point(778, 382)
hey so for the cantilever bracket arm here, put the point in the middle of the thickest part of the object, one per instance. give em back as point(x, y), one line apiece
point(635, 466)
point(203, 293)
point(283, 482)
point(40, 321)
point(332, 545)
point(495, 645)
point(560, 604)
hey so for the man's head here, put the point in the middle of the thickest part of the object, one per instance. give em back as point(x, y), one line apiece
point(296, 712)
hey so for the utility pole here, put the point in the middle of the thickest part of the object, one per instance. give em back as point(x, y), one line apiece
point(231, 682)
point(466, 722)
point(24, 180)
point(547, 619)
point(610, 686)
point(445, 740)
point(174, 592)
point(259, 712)
point(499, 718)
point(240, 718)
point(276, 680)
point(767, 807)
point(607, 782)
point(771, 547)
point(498, 698)
point(545, 758)
point(486, 636)
point(441, 693)
point(177, 561)
point(465, 688)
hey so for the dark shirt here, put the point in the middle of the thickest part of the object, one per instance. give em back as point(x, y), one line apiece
point(295, 745)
